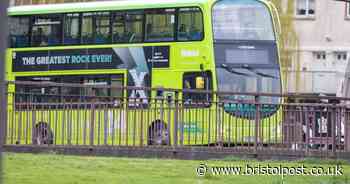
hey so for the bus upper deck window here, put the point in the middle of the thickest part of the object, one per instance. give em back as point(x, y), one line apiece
point(102, 28)
point(46, 30)
point(87, 28)
point(118, 27)
point(242, 20)
point(127, 27)
point(190, 26)
point(19, 32)
point(72, 29)
point(96, 28)
point(160, 25)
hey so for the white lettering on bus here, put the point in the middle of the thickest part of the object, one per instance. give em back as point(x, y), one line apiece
point(138, 80)
point(189, 53)
point(28, 61)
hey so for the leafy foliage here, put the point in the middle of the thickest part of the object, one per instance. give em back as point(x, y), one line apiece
point(289, 42)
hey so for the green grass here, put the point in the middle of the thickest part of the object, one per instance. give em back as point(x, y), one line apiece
point(61, 169)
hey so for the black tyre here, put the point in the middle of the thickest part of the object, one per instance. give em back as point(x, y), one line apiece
point(158, 134)
point(42, 134)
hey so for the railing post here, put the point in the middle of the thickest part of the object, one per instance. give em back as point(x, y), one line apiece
point(3, 98)
point(347, 129)
point(333, 129)
point(6, 115)
point(176, 118)
point(169, 101)
point(257, 123)
point(92, 124)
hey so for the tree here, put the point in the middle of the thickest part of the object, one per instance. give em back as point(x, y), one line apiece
point(289, 42)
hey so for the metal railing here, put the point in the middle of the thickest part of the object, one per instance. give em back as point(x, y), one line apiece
point(95, 115)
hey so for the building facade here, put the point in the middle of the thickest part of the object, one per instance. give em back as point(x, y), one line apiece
point(322, 27)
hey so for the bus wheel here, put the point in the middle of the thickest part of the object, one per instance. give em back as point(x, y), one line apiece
point(42, 134)
point(158, 133)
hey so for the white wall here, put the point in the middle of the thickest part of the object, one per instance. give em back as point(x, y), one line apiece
point(327, 31)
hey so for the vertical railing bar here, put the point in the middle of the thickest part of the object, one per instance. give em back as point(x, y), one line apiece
point(217, 126)
point(99, 109)
point(64, 111)
point(42, 113)
point(236, 130)
point(222, 124)
point(127, 121)
point(307, 133)
point(11, 121)
point(27, 123)
point(333, 130)
point(19, 126)
point(49, 131)
point(78, 110)
point(148, 120)
point(69, 122)
point(229, 129)
point(141, 125)
point(176, 118)
point(347, 129)
point(33, 122)
point(162, 114)
point(105, 123)
point(122, 112)
point(203, 122)
point(338, 128)
point(189, 125)
point(92, 122)
point(169, 109)
point(85, 121)
point(55, 136)
point(209, 122)
point(134, 131)
point(195, 127)
point(184, 117)
point(113, 125)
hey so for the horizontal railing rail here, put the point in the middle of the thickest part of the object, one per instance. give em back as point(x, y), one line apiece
point(55, 114)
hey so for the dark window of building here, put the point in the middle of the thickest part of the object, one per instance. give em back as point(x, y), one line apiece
point(305, 7)
point(320, 55)
point(341, 56)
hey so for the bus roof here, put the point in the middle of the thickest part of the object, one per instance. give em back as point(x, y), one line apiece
point(100, 6)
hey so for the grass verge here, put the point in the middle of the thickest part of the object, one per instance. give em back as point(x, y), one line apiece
point(63, 169)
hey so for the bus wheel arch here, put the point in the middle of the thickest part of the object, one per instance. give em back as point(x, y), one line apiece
point(158, 133)
point(42, 134)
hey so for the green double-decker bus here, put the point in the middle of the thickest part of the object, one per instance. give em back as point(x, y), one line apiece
point(211, 45)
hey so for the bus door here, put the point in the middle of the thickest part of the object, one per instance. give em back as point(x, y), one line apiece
point(194, 115)
point(196, 81)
